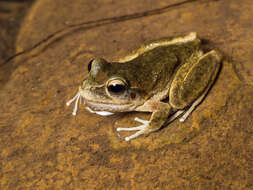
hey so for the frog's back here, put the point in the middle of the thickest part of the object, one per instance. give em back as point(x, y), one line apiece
point(189, 39)
point(150, 71)
point(151, 67)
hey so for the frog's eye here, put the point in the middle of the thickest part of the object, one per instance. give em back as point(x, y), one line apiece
point(90, 64)
point(116, 86)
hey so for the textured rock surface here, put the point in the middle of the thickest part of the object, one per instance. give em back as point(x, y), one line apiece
point(42, 146)
point(11, 13)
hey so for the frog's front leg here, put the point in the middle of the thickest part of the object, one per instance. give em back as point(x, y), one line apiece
point(160, 112)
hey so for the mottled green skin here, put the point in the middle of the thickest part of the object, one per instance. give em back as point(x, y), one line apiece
point(146, 75)
point(193, 79)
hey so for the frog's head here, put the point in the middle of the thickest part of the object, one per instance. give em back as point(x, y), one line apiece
point(106, 88)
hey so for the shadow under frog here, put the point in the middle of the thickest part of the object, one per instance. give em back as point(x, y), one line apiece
point(173, 69)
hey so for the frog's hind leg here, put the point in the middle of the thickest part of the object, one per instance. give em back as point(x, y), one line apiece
point(175, 116)
point(193, 106)
point(193, 82)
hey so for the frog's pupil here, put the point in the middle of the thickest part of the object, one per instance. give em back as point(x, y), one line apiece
point(89, 65)
point(116, 88)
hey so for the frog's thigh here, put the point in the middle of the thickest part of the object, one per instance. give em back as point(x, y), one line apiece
point(193, 78)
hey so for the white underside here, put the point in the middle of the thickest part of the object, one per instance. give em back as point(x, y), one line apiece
point(103, 113)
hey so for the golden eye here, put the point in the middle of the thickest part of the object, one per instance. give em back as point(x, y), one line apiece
point(116, 86)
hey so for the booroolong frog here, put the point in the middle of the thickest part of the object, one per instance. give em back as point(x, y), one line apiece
point(167, 77)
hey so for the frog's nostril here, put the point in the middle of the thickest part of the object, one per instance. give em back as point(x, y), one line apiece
point(133, 95)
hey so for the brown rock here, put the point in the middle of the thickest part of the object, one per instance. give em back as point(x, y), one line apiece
point(42, 146)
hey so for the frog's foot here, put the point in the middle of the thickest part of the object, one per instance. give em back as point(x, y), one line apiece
point(142, 129)
point(193, 106)
point(76, 98)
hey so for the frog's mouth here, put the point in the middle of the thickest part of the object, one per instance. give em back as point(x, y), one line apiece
point(103, 113)
point(98, 107)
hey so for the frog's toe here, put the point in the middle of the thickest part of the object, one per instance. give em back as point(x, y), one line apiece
point(76, 98)
point(175, 116)
point(144, 122)
point(193, 106)
point(138, 133)
point(187, 113)
point(142, 129)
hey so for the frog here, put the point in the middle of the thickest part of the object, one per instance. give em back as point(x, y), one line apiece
point(168, 78)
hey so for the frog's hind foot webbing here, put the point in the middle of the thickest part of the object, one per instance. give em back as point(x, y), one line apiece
point(140, 129)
